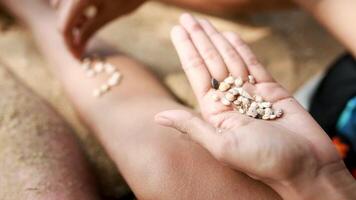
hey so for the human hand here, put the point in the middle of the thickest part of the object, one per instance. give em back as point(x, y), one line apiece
point(291, 150)
point(80, 19)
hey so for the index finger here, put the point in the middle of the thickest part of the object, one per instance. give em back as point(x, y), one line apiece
point(193, 64)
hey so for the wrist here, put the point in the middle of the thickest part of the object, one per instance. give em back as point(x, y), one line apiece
point(332, 181)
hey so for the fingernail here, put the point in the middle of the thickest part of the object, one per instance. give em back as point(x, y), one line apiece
point(163, 121)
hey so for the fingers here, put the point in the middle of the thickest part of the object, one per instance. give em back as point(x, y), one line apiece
point(71, 22)
point(193, 64)
point(185, 122)
point(232, 59)
point(254, 67)
point(205, 47)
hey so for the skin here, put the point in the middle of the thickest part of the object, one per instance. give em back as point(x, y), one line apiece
point(276, 152)
point(172, 166)
point(337, 17)
point(70, 14)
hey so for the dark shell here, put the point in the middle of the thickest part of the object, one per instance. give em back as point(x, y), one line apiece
point(215, 83)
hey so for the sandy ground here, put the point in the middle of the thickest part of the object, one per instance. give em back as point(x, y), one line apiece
point(291, 45)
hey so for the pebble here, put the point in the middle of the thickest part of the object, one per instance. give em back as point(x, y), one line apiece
point(261, 111)
point(86, 64)
point(97, 93)
point(109, 68)
point(99, 67)
point(230, 97)
point(265, 104)
point(265, 117)
point(114, 79)
point(258, 99)
point(229, 80)
point(225, 102)
point(239, 82)
point(251, 79)
point(242, 111)
point(254, 105)
point(104, 88)
point(234, 91)
point(252, 112)
point(243, 102)
point(268, 112)
point(272, 117)
point(244, 93)
point(237, 102)
point(215, 83)
point(223, 87)
point(279, 113)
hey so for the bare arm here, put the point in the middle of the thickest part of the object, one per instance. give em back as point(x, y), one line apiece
point(338, 16)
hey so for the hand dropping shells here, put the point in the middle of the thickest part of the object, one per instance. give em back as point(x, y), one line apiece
point(234, 95)
point(94, 66)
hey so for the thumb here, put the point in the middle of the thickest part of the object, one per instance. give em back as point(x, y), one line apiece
point(188, 123)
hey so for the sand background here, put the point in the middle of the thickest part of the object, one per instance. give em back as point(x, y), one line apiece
point(290, 43)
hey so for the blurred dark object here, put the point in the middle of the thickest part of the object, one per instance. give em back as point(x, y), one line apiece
point(6, 21)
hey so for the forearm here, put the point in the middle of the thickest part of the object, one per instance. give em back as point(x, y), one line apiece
point(338, 16)
point(331, 182)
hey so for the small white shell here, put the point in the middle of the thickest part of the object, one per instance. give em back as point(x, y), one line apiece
point(268, 112)
point(245, 102)
point(265, 117)
point(252, 112)
point(239, 82)
point(237, 102)
point(272, 117)
point(261, 111)
point(229, 80)
point(99, 67)
point(242, 111)
point(279, 113)
point(254, 105)
point(86, 64)
point(230, 97)
point(114, 79)
point(265, 104)
point(109, 68)
point(223, 87)
point(225, 102)
point(104, 88)
point(251, 79)
point(215, 96)
point(234, 91)
point(97, 93)
point(258, 98)
point(244, 93)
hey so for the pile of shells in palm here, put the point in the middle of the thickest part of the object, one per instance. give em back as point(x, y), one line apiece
point(234, 95)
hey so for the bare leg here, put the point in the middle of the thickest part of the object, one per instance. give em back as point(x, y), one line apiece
point(158, 163)
point(35, 144)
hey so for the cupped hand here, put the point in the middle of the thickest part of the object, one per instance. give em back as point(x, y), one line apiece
point(80, 19)
point(271, 151)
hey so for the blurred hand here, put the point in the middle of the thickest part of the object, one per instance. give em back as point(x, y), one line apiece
point(80, 19)
point(278, 151)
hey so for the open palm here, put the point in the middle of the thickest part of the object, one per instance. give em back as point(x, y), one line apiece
point(266, 150)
